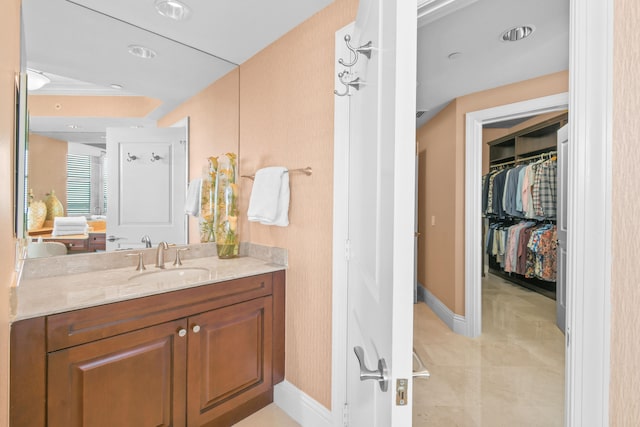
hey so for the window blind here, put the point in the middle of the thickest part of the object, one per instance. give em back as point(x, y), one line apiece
point(78, 184)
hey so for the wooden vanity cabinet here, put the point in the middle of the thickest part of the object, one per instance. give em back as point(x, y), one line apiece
point(133, 379)
point(206, 356)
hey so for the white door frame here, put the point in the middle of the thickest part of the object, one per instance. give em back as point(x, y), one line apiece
point(589, 263)
point(473, 193)
point(589, 214)
point(339, 314)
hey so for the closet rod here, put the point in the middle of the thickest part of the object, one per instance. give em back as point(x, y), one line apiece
point(521, 159)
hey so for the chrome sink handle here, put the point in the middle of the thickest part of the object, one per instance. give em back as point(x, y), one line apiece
point(140, 266)
point(381, 375)
point(178, 260)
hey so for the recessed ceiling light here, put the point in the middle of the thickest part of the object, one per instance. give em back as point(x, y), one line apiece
point(115, 86)
point(36, 79)
point(173, 9)
point(73, 126)
point(141, 51)
point(517, 33)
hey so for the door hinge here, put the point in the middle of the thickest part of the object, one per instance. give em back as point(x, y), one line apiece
point(345, 415)
point(347, 249)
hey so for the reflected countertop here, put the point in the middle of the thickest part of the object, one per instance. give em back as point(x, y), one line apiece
point(40, 296)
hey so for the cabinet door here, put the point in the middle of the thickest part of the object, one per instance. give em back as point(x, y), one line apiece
point(230, 361)
point(135, 379)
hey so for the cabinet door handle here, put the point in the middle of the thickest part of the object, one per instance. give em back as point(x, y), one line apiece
point(182, 332)
point(195, 329)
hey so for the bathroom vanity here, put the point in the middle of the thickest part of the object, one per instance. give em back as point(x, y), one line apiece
point(185, 354)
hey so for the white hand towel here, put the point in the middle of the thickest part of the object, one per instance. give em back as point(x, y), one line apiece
point(69, 231)
point(192, 204)
point(69, 225)
point(269, 202)
point(70, 220)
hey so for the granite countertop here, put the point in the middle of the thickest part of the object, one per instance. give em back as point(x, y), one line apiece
point(40, 294)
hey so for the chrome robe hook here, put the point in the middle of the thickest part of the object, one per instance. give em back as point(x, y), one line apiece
point(365, 49)
point(131, 158)
point(355, 83)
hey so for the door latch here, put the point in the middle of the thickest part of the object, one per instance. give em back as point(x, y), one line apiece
point(367, 374)
point(402, 392)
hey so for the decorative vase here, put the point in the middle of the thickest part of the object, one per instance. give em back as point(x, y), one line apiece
point(36, 213)
point(226, 207)
point(208, 202)
point(54, 206)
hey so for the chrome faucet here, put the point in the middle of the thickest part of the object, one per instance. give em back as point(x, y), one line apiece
point(146, 240)
point(162, 246)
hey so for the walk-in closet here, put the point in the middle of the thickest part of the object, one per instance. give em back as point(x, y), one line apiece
point(519, 204)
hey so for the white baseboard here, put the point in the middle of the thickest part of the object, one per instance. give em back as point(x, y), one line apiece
point(300, 406)
point(455, 322)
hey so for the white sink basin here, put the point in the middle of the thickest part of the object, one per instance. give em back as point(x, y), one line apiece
point(173, 275)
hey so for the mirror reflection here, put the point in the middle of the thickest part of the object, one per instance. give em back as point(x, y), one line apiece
point(99, 174)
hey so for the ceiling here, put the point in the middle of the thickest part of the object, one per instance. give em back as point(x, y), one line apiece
point(82, 46)
point(485, 61)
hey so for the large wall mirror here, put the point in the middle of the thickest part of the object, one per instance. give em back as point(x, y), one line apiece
point(90, 70)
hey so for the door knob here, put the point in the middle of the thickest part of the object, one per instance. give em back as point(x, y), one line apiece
point(182, 332)
point(367, 374)
point(195, 329)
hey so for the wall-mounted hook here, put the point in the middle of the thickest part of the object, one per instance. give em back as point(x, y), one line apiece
point(131, 158)
point(355, 83)
point(365, 49)
point(155, 157)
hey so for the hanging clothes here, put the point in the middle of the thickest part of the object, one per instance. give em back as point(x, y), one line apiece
point(521, 191)
point(526, 248)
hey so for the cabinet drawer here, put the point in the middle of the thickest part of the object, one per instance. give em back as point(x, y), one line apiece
point(90, 324)
point(73, 245)
point(97, 242)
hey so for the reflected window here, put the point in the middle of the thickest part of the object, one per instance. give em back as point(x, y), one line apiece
point(86, 184)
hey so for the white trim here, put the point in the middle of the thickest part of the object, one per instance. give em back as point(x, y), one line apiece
point(473, 202)
point(185, 122)
point(589, 213)
point(300, 406)
point(340, 233)
point(455, 322)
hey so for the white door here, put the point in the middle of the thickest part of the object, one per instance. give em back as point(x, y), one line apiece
point(146, 186)
point(562, 178)
point(381, 214)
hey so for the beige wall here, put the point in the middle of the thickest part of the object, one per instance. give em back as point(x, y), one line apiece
point(48, 167)
point(441, 142)
point(436, 203)
point(9, 66)
point(91, 106)
point(286, 104)
point(625, 272)
point(213, 127)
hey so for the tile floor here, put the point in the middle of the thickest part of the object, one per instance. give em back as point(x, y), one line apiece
point(513, 375)
point(271, 416)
